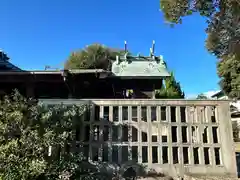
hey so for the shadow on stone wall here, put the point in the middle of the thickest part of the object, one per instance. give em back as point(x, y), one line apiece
point(96, 168)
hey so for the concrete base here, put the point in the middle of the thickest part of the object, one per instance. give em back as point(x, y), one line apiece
point(209, 178)
point(155, 178)
point(191, 178)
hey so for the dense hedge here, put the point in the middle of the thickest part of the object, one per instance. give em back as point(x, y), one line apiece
point(28, 130)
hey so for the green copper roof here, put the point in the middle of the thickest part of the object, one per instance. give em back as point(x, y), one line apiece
point(140, 67)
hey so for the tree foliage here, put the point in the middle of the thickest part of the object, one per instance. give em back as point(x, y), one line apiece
point(95, 56)
point(202, 96)
point(171, 89)
point(27, 130)
point(236, 130)
point(223, 18)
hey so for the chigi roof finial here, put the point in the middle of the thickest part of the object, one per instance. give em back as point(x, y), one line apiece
point(125, 46)
point(153, 47)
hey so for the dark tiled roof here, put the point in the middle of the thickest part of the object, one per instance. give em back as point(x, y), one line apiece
point(5, 65)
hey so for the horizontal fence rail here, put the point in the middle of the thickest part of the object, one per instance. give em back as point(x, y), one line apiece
point(135, 101)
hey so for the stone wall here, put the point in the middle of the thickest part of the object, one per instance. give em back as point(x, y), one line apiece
point(176, 137)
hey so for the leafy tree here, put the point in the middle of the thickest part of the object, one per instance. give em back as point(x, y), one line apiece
point(95, 56)
point(27, 130)
point(170, 90)
point(236, 131)
point(223, 18)
point(202, 96)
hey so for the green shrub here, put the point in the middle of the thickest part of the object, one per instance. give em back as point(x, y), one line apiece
point(27, 130)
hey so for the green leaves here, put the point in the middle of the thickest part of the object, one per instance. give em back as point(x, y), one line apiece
point(95, 56)
point(236, 129)
point(202, 96)
point(26, 132)
point(171, 90)
point(223, 18)
point(229, 68)
point(174, 9)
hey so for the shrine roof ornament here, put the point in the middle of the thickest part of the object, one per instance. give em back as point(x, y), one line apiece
point(140, 66)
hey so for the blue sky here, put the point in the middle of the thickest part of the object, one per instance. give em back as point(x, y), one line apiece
point(40, 32)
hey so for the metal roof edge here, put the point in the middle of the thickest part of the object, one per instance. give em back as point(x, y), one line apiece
point(80, 71)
